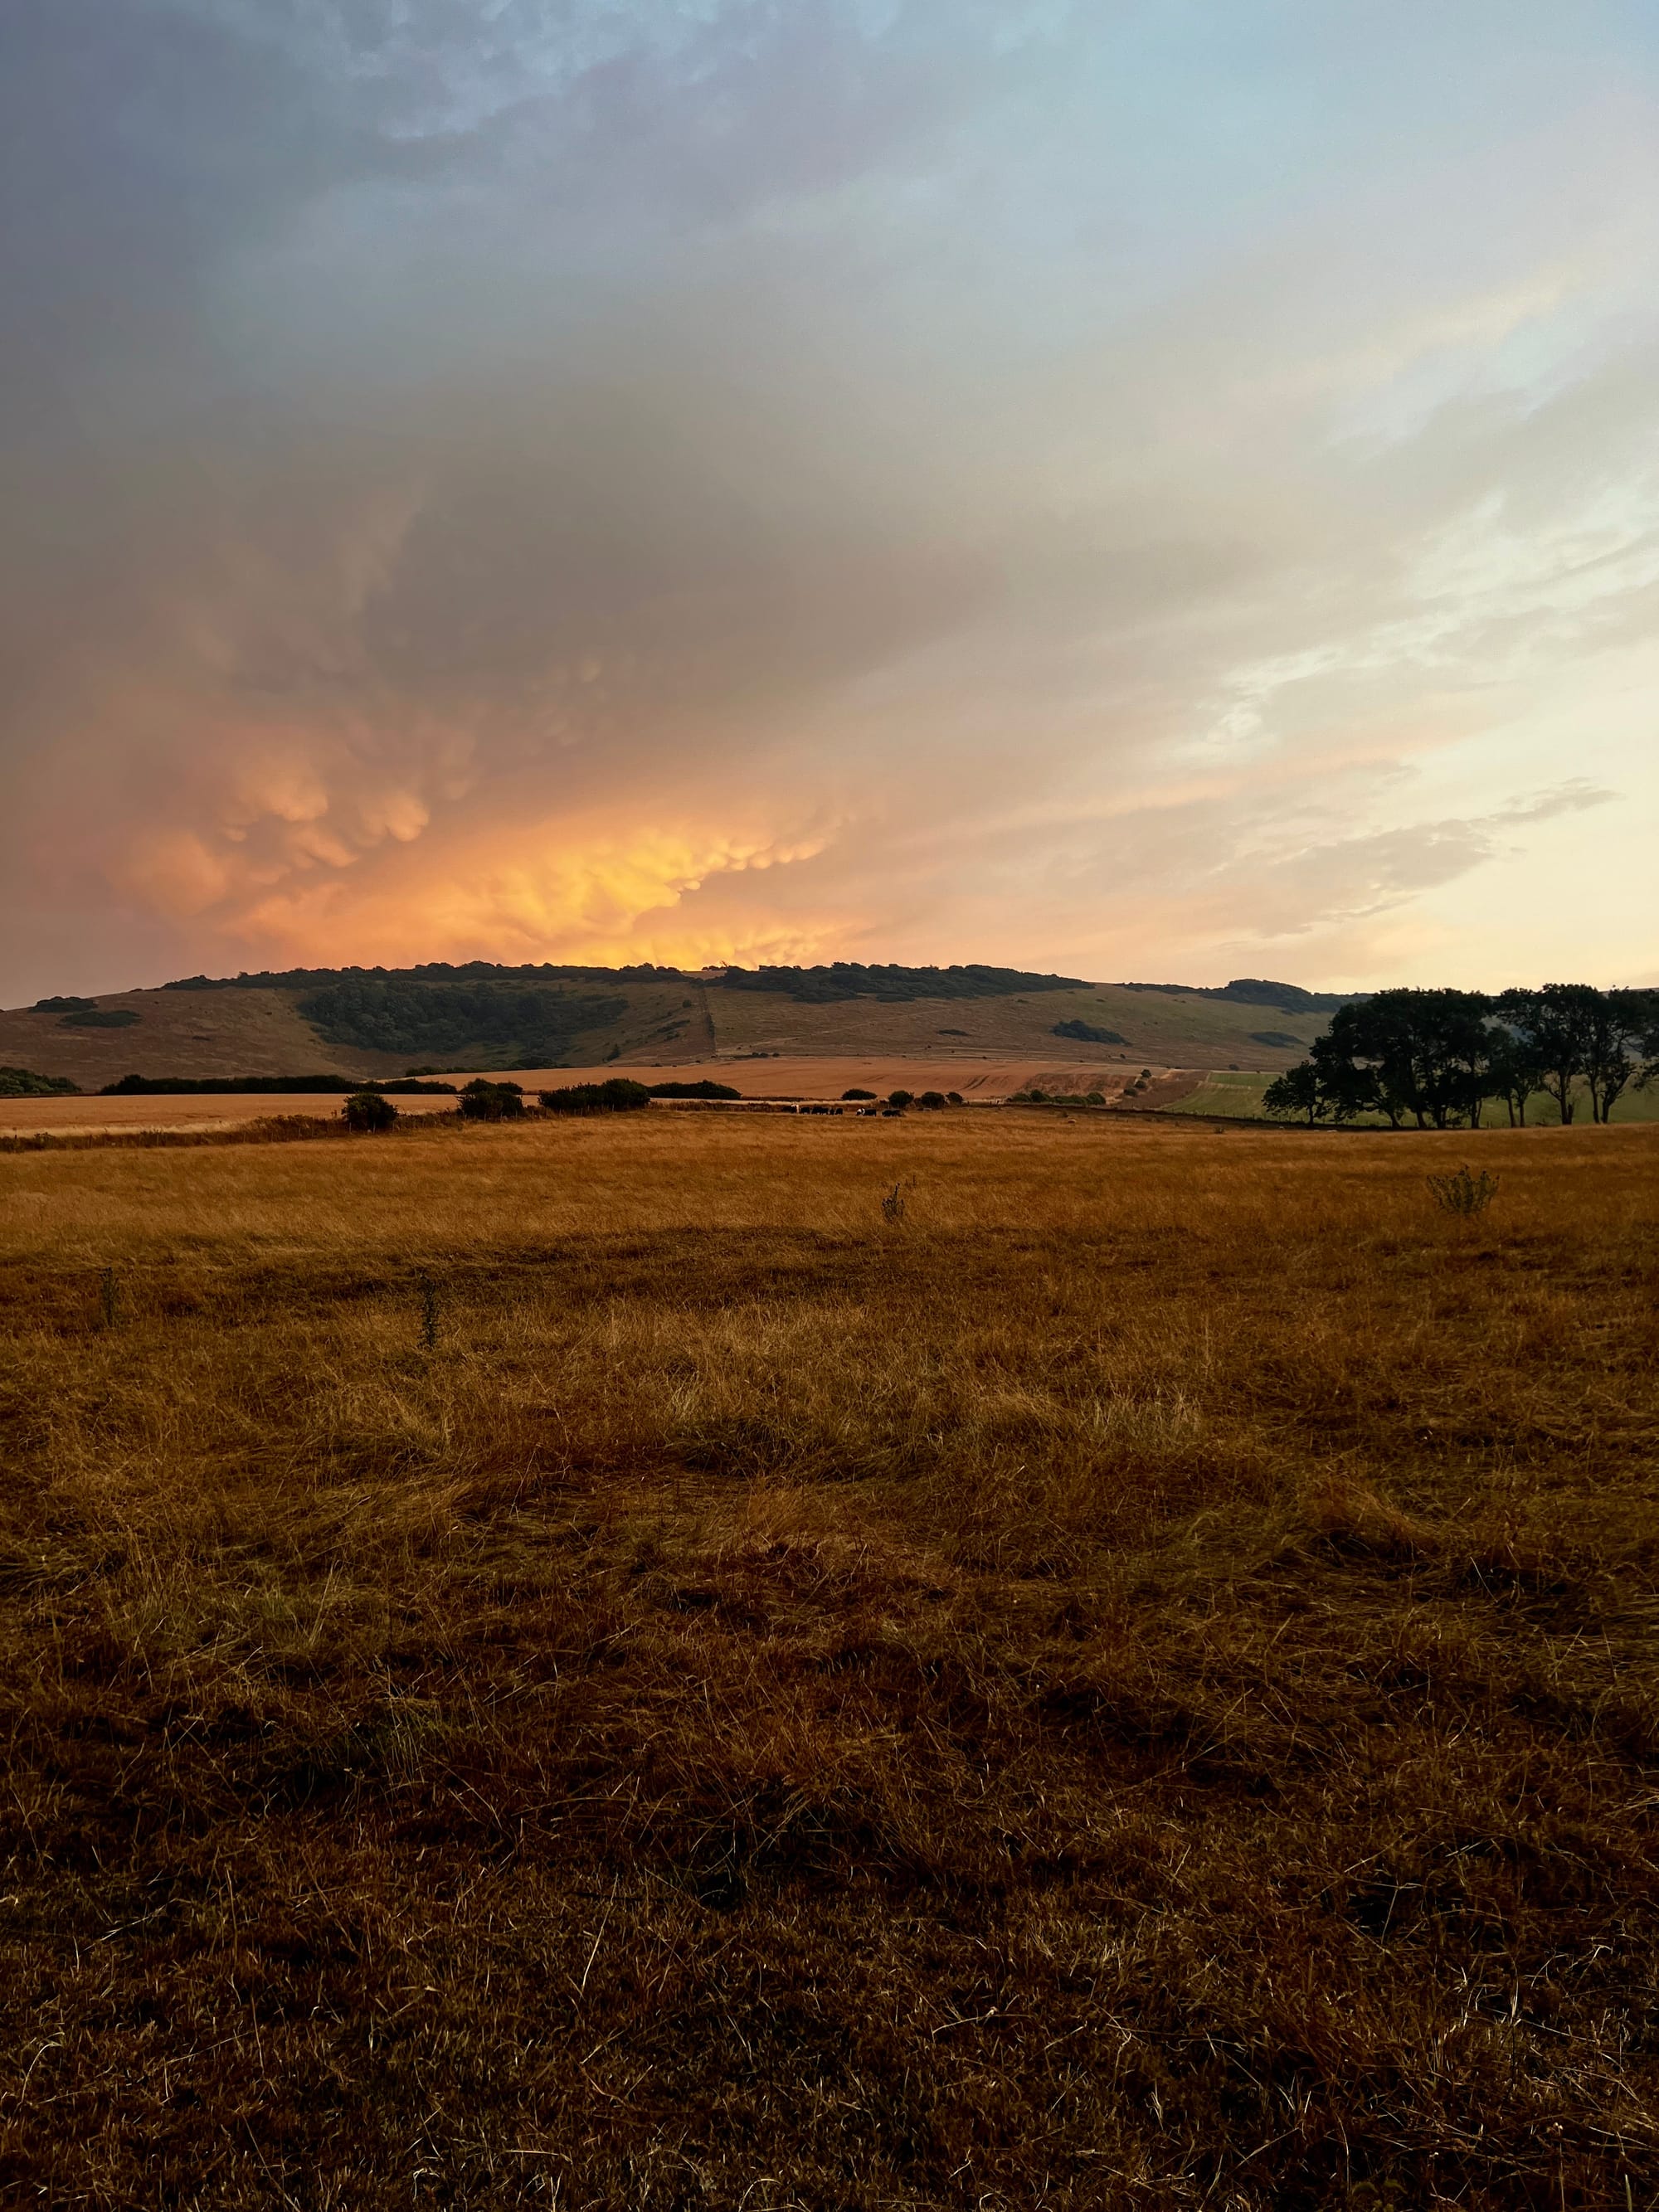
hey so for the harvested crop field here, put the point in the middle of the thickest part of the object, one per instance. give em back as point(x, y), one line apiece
point(979, 1079)
point(599, 1664)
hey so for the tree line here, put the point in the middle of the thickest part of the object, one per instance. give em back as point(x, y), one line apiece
point(1436, 1058)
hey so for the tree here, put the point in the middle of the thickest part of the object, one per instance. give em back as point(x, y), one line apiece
point(901, 1099)
point(1648, 1044)
point(1296, 1093)
point(1514, 1072)
point(1574, 1033)
point(1615, 1045)
point(933, 1100)
point(1421, 1053)
point(1551, 1023)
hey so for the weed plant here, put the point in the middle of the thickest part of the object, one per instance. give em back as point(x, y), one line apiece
point(1463, 1192)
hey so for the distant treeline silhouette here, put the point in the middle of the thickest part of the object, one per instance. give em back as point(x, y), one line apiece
point(1435, 1058)
point(425, 971)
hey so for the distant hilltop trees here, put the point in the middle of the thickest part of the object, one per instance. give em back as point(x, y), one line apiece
point(425, 971)
point(1437, 1058)
point(851, 979)
point(1257, 991)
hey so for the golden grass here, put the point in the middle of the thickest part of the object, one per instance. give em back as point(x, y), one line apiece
point(1134, 1686)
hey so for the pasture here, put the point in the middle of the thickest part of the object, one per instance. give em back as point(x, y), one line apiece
point(598, 1664)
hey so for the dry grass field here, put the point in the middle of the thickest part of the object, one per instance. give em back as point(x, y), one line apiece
point(586, 1665)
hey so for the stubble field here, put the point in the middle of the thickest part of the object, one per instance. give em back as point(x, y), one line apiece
point(586, 1665)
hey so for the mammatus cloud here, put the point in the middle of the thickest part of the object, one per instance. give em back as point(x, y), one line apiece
point(912, 481)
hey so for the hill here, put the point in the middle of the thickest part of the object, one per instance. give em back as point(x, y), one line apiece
point(380, 1022)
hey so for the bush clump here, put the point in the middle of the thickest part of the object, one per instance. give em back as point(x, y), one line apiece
point(482, 1101)
point(617, 1095)
point(368, 1113)
point(933, 1100)
point(899, 1100)
point(24, 1083)
point(848, 1096)
point(702, 1090)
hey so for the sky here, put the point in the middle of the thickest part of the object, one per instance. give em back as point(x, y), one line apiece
point(1164, 491)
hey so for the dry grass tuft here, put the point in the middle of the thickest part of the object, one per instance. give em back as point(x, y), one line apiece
point(1137, 1690)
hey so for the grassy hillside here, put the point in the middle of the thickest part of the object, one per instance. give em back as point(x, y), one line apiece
point(1132, 1686)
point(181, 1033)
point(244, 1030)
point(1158, 1030)
point(340, 1023)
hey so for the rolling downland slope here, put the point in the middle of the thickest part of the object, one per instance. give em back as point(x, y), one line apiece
point(351, 1022)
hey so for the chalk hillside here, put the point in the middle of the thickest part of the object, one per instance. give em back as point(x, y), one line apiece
point(381, 1023)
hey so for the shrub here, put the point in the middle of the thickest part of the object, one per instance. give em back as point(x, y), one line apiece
point(1094, 1098)
point(63, 1005)
point(954, 1097)
point(846, 1095)
point(367, 1113)
point(1464, 1193)
point(100, 1017)
point(933, 1100)
point(617, 1095)
point(901, 1099)
point(480, 1101)
point(1087, 1033)
point(702, 1090)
